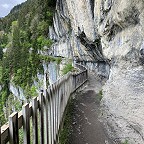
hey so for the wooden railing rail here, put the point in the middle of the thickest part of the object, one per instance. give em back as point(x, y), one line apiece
point(46, 112)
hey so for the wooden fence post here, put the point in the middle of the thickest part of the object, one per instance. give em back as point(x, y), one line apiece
point(13, 128)
point(46, 117)
point(51, 106)
point(49, 116)
point(54, 111)
point(35, 120)
point(0, 133)
point(41, 110)
point(52, 114)
point(26, 123)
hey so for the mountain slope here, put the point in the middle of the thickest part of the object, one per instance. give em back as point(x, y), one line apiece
point(23, 36)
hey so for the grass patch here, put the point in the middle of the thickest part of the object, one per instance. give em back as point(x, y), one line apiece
point(125, 142)
point(58, 60)
point(68, 67)
point(66, 130)
point(50, 59)
point(100, 95)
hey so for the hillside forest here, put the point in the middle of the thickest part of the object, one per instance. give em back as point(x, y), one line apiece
point(23, 34)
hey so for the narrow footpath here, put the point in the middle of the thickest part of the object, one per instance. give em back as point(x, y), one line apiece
point(86, 127)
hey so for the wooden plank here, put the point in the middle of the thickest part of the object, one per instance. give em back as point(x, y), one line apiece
point(20, 116)
point(26, 123)
point(49, 116)
point(71, 87)
point(54, 110)
point(57, 106)
point(61, 101)
point(0, 133)
point(41, 111)
point(20, 119)
point(5, 133)
point(35, 120)
point(30, 109)
point(64, 97)
point(46, 117)
point(56, 99)
point(5, 128)
point(59, 110)
point(67, 90)
point(13, 128)
point(52, 115)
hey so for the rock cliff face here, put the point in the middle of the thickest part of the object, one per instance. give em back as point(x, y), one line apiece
point(75, 34)
point(108, 35)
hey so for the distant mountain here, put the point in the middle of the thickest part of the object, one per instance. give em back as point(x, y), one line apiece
point(17, 8)
point(30, 7)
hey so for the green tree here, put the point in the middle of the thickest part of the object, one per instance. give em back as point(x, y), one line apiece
point(16, 49)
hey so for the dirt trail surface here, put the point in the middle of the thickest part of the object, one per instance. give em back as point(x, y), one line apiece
point(86, 126)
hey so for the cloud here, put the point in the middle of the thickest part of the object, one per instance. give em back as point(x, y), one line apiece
point(20, 1)
point(6, 6)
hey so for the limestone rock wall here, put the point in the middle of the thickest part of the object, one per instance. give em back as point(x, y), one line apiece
point(109, 36)
point(121, 29)
point(75, 34)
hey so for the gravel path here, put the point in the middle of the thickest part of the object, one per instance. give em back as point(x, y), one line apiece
point(86, 126)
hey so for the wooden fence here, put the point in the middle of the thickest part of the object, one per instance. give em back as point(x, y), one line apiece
point(46, 112)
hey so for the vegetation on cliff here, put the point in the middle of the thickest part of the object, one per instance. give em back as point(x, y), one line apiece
point(23, 34)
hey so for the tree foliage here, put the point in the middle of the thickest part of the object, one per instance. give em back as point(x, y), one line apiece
point(23, 33)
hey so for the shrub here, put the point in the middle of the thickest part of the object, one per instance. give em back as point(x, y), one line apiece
point(58, 60)
point(42, 41)
point(100, 94)
point(125, 142)
point(67, 68)
point(48, 58)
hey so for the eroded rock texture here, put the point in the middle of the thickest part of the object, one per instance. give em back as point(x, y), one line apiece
point(109, 36)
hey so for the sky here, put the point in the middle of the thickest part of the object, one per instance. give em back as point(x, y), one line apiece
point(7, 5)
